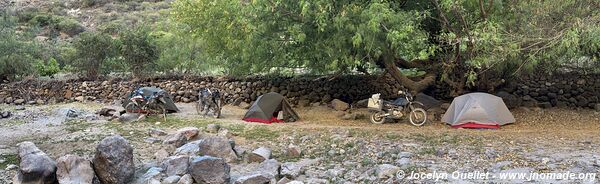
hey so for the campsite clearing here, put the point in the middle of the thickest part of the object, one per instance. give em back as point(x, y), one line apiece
point(348, 150)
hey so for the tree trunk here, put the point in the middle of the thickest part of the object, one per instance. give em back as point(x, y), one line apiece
point(414, 86)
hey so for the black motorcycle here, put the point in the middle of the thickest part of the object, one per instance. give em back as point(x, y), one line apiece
point(382, 109)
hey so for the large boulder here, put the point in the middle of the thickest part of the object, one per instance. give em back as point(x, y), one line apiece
point(113, 162)
point(182, 136)
point(428, 101)
point(217, 147)
point(35, 167)
point(74, 169)
point(175, 165)
point(270, 168)
point(339, 105)
point(210, 170)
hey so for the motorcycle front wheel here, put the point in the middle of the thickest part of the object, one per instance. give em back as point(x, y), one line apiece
point(377, 117)
point(418, 117)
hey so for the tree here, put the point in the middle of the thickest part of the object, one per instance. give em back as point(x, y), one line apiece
point(138, 49)
point(93, 49)
point(487, 42)
point(321, 36)
point(467, 44)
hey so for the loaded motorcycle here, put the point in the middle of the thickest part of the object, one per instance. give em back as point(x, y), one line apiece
point(383, 110)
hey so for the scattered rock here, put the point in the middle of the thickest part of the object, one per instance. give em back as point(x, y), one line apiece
point(155, 132)
point(223, 132)
point(253, 179)
point(161, 155)
point(259, 155)
point(294, 169)
point(80, 98)
point(153, 175)
point(10, 167)
point(339, 105)
point(35, 166)
point(73, 169)
point(175, 165)
point(207, 169)
point(293, 151)
point(405, 155)
point(190, 149)
point(597, 107)
point(113, 162)
point(213, 128)
point(386, 171)
point(217, 147)
point(171, 179)
point(19, 108)
point(351, 116)
point(182, 136)
point(270, 167)
point(5, 114)
point(129, 117)
point(403, 162)
point(19, 101)
point(151, 140)
point(186, 179)
point(284, 180)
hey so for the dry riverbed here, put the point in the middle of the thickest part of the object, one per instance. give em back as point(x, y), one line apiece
point(355, 151)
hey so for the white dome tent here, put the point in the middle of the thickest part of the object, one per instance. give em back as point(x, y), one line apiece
point(478, 110)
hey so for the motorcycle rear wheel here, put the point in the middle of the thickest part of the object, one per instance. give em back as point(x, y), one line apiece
point(417, 117)
point(377, 117)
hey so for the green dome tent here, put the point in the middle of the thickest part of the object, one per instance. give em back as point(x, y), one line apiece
point(267, 107)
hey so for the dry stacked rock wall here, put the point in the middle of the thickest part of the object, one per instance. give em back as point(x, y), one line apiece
point(297, 89)
point(567, 90)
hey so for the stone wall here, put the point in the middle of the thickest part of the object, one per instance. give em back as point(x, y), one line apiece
point(304, 89)
point(541, 91)
point(566, 90)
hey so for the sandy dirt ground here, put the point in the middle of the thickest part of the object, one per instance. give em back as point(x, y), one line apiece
point(556, 140)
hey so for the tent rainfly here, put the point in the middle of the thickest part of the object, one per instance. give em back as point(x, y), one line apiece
point(267, 107)
point(148, 92)
point(478, 110)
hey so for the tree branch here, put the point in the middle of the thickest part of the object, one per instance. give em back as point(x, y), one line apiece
point(413, 86)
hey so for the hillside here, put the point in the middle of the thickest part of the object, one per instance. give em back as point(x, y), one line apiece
point(65, 19)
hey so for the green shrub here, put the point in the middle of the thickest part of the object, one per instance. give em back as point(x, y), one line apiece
point(41, 20)
point(47, 68)
point(70, 26)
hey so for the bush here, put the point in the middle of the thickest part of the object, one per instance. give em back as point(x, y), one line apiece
point(47, 68)
point(40, 20)
point(70, 26)
point(16, 53)
point(93, 49)
point(139, 49)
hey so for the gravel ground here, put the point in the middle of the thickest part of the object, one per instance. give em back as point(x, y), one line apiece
point(344, 151)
